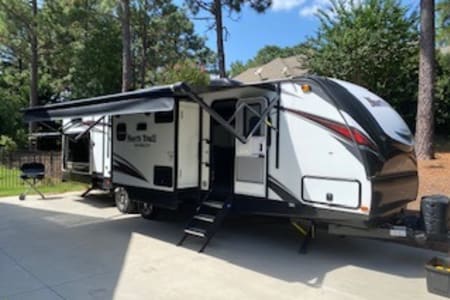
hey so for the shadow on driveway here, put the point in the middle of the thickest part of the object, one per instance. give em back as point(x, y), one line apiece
point(55, 249)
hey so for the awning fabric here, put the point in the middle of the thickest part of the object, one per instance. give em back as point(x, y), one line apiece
point(160, 98)
point(146, 100)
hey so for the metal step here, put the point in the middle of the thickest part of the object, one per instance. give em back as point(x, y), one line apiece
point(214, 204)
point(195, 231)
point(205, 218)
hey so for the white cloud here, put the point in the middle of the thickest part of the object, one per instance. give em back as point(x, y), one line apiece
point(280, 5)
point(313, 7)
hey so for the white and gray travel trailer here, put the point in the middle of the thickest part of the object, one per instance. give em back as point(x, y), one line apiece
point(86, 149)
point(311, 148)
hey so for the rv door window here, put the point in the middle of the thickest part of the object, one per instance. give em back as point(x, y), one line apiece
point(251, 119)
point(121, 132)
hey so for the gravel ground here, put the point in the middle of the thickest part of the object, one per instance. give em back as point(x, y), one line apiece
point(434, 176)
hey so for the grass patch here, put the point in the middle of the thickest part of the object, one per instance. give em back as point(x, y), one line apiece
point(11, 184)
point(55, 188)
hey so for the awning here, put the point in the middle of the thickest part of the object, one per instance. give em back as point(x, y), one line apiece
point(160, 98)
point(155, 99)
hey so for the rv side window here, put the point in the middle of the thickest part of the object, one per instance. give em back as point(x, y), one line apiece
point(141, 126)
point(251, 119)
point(121, 131)
point(164, 117)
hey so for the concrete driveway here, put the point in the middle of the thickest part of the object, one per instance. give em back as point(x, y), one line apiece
point(72, 248)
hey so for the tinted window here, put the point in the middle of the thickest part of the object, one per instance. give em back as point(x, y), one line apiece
point(121, 131)
point(164, 117)
point(251, 119)
point(141, 126)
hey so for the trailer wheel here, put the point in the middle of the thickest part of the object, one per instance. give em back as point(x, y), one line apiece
point(148, 211)
point(123, 203)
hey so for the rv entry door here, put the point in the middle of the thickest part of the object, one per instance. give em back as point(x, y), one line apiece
point(250, 162)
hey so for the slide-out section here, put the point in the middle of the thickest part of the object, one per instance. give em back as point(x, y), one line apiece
point(157, 151)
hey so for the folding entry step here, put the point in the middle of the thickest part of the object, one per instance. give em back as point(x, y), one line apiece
point(207, 220)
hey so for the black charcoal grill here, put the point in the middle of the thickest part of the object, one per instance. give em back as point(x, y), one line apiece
point(32, 174)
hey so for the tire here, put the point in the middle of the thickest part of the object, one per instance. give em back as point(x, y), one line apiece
point(123, 203)
point(148, 211)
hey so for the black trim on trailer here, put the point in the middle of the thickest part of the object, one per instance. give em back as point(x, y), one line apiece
point(112, 148)
point(277, 142)
point(103, 145)
point(166, 199)
point(335, 179)
point(391, 192)
point(161, 198)
point(200, 148)
point(122, 165)
point(346, 101)
point(244, 204)
point(176, 115)
point(268, 132)
point(282, 191)
point(352, 149)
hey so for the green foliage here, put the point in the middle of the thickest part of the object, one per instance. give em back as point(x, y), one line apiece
point(186, 71)
point(232, 5)
point(171, 37)
point(442, 100)
point(80, 50)
point(7, 144)
point(374, 44)
point(443, 22)
point(97, 65)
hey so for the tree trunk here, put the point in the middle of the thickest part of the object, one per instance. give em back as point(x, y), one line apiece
point(144, 44)
point(425, 113)
point(124, 7)
point(34, 63)
point(219, 33)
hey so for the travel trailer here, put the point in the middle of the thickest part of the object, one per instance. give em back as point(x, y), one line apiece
point(86, 151)
point(309, 148)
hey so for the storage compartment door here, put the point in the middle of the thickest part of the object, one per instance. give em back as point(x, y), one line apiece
point(331, 191)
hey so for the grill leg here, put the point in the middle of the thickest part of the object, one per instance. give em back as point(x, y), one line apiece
point(32, 186)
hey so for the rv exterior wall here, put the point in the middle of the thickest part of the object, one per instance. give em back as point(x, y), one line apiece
point(308, 149)
point(144, 151)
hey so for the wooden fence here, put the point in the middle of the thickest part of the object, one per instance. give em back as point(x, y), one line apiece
point(10, 163)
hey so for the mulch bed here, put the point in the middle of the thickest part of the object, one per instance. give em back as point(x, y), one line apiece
point(434, 178)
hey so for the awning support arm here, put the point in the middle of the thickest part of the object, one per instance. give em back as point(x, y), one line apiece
point(187, 91)
point(69, 125)
point(79, 136)
point(226, 124)
point(52, 128)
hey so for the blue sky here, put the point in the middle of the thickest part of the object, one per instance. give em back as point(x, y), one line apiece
point(286, 23)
